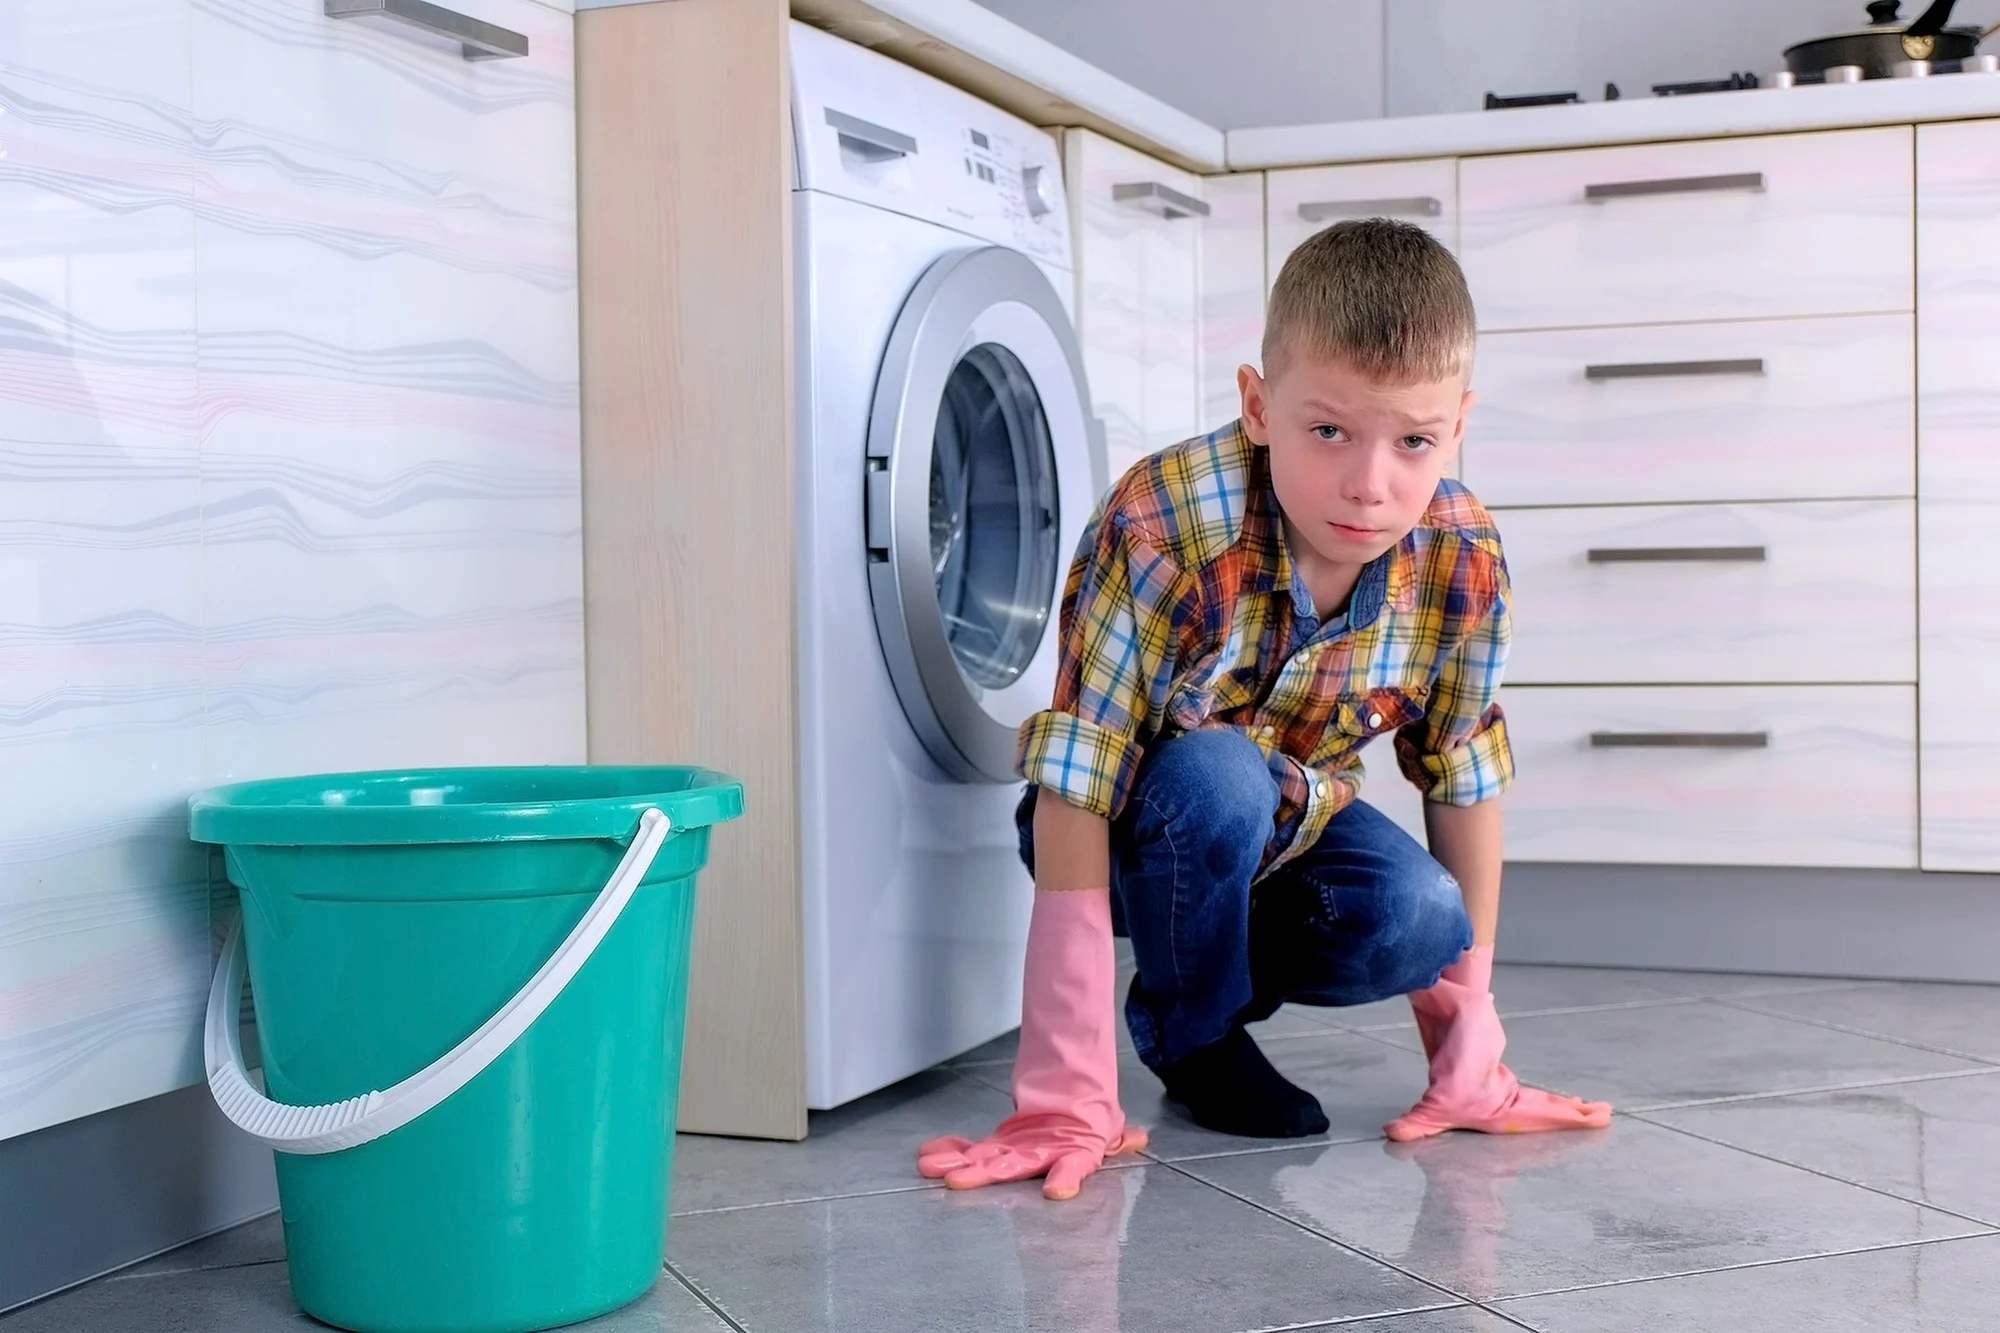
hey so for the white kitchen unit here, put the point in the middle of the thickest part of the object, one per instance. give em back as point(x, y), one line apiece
point(291, 416)
point(1769, 409)
point(1136, 225)
point(1789, 225)
point(1958, 488)
point(1310, 199)
point(1231, 292)
point(1770, 775)
point(1714, 593)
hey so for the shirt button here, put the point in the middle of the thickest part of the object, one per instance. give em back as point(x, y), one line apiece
point(1374, 719)
point(1268, 732)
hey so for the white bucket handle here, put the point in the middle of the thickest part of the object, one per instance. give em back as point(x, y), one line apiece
point(310, 1130)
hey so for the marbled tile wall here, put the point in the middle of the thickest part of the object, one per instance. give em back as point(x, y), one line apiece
point(288, 467)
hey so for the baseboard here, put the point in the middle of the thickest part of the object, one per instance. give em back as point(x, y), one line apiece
point(84, 1198)
point(1901, 924)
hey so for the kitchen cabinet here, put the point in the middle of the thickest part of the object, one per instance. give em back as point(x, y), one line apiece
point(1713, 593)
point(1136, 226)
point(387, 325)
point(1958, 489)
point(1779, 409)
point(1760, 775)
point(1231, 292)
point(1750, 228)
point(1309, 199)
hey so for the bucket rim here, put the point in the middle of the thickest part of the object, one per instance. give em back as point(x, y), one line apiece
point(315, 810)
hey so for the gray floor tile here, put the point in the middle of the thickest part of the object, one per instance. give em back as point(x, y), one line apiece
point(258, 1242)
point(870, 1144)
point(1463, 1319)
point(1956, 1018)
point(1951, 1287)
point(1937, 1142)
point(1636, 1058)
point(257, 1298)
point(1496, 1216)
point(1521, 988)
point(1361, 1083)
point(1145, 1249)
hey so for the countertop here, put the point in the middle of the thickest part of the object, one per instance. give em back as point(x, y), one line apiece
point(977, 50)
point(1630, 120)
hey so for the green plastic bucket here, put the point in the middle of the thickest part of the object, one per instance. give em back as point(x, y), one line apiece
point(470, 988)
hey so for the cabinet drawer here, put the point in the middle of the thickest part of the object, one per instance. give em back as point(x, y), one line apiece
point(1303, 201)
point(1800, 409)
point(1804, 224)
point(1137, 245)
point(1714, 775)
point(1820, 591)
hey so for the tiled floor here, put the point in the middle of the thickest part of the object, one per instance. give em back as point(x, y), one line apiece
point(1789, 1154)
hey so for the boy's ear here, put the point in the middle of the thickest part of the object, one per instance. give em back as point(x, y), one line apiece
point(1256, 405)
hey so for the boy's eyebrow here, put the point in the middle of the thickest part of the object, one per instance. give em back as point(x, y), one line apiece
point(1327, 409)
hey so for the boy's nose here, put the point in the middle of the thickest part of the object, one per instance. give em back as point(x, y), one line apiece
point(1368, 479)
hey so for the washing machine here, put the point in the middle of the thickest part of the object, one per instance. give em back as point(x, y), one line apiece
point(947, 464)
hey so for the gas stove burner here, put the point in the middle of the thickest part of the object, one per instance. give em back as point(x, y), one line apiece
point(1734, 83)
point(1495, 102)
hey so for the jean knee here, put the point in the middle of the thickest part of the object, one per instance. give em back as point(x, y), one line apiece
point(1212, 787)
point(1431, 927)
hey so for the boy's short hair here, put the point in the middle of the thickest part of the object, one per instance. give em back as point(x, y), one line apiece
point(1382, 295)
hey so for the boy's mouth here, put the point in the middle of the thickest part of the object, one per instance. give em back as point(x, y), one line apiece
point(1353, 533)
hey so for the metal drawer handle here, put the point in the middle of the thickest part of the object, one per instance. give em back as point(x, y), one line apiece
point(1418, 205)
point(1648, 370)
point(1741, 180)
point(1160, 200)
point(476, 40)
point(1680, 740)
point(877, 143)
point(1652, 555)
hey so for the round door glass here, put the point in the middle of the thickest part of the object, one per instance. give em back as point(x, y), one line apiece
point(994, 521)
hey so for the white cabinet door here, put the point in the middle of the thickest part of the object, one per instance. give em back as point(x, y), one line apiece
point(1774, 775)
point(1819, 591)
point(1309, 199)
point(1232, 291)
point(387, 330)
point(1782, 409)
point(1750, 228)
point(1958, 481)
point(1136, 225)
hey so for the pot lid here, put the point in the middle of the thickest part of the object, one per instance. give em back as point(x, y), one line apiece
point(1889, 24)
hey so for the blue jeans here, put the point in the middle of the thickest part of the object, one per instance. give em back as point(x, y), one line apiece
point(1363, 915)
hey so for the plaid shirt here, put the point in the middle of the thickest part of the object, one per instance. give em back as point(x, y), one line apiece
point(1182, 612)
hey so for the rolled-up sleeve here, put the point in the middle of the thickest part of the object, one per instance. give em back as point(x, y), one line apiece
point(1457, 753)
point(1125, 608)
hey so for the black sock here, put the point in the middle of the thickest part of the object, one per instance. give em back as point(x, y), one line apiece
point(1228, 1086)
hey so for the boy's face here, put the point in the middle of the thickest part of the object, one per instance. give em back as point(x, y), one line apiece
point(1355, 462)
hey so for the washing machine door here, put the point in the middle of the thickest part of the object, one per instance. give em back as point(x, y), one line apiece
point(983, 465)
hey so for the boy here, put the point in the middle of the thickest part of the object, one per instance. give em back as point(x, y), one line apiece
point(1245, 612)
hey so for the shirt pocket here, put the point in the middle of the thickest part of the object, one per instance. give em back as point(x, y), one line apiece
point(1365, 714)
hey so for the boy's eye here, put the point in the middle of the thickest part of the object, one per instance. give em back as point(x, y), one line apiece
point(1416, 444)
point(1327, 432)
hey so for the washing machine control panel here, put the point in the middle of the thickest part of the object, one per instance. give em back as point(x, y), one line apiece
point(880, 133)
point(1016, 191)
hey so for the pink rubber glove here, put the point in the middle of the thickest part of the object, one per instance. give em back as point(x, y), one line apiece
point(1470, 1088)
point(1066, 1117)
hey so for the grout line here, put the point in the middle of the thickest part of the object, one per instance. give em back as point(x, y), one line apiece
point(1358, 1320)
point(1685, 323)
point(1283, 1145)
point(1745, 1267)
point(924, 1188)
point(1734, 1098)
point(714, 1306)
point(1351, 1248)
point(1825, 1175)
point(1866, 1032)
